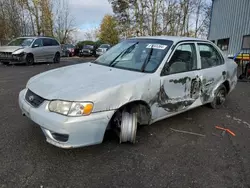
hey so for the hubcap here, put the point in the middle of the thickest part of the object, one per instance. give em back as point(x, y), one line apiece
point(221, 97)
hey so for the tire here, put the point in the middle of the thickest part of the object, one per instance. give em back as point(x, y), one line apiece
point(125, 123)
point(29, 59)
point(5, 63)
point(219, 97)
point(67, 54)
point(57, 58)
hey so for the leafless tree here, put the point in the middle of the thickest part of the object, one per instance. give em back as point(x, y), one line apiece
point(63, 21)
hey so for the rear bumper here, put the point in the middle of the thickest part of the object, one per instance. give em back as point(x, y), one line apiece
point(67, 132)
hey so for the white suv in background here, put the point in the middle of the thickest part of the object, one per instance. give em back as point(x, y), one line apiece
point(31, 50)
point(102, 49)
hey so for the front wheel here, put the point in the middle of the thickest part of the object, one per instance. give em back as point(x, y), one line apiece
point(57, 58)
point(29, 59)
point(126, 125)
point(6, 63)
point(219, 97)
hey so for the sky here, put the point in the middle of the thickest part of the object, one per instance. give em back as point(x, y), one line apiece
point(88, 14)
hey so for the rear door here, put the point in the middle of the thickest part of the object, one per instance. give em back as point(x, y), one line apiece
point(180, 85)
point(48, 49)
point(213, 70)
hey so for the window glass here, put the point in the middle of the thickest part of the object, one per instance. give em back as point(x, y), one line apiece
point(143, 55)
point(104, 46)
point(246, 42)
point(223, 44)
point(47, 42)
point(54, 42)
point(210, 57)
point(21, 42)
point(184, 59)
point(38, 42)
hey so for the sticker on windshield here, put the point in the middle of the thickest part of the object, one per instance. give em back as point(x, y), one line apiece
point(157, 46)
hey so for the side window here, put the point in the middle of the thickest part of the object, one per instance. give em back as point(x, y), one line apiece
point(47, 42)
point(210, 57)
point(184, 59)
point(38, 43)
point(54, 43)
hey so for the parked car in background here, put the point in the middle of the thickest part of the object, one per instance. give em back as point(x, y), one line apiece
point(68, 50)
point(87, 50)
point(102, 49)
point(31, 50)
point(137, 82)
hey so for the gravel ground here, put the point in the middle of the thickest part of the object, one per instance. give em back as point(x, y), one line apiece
point(161, 157)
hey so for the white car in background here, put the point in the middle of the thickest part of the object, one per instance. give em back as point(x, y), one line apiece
point(102, 49)
point(139, 81)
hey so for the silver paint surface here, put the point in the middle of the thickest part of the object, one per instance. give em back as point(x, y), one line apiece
point(111, 88)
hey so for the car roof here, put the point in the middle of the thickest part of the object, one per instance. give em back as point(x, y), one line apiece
point(175, 39)
point(36, 37)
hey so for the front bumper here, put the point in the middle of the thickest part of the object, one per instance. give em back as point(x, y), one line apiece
point(13, 59)
point(78, 131)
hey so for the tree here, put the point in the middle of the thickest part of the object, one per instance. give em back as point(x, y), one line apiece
point(63, 21)
point(162, 17)
point(46, 17)
point(108, 30)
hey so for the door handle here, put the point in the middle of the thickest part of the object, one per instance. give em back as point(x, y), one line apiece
point(224, 73)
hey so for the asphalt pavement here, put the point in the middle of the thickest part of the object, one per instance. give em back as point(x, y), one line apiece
point(160, 158)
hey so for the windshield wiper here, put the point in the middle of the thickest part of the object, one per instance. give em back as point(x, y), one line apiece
point(112, 63)
point(148, 58)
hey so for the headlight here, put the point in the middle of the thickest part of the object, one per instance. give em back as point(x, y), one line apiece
point(71, 108)
point(19, 51)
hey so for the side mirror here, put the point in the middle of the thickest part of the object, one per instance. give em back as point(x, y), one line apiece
point(35, 45)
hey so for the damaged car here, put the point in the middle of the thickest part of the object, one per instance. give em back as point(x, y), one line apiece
point(137, 82)
point(30, 50)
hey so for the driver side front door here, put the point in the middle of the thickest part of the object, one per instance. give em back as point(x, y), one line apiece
point(38, 50)
point(180, 82)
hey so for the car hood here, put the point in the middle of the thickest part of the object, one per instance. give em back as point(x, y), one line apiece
point(76, 82)
point(10, 48)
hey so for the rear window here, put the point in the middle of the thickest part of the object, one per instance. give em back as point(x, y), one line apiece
point(70, 46)
point(54, 42)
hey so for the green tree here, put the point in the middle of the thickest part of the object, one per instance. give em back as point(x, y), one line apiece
point(108, 30)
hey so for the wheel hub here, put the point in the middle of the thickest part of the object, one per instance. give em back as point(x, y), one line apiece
point(128, 127)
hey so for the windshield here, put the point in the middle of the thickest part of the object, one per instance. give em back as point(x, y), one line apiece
point(21, 42)
point(70, 46)
point(144, 55)
point(104, 46)
point(88, 47)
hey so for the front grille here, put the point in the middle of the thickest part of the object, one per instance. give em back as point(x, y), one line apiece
point(33, 99)
point(5, 55)
point(60, 137)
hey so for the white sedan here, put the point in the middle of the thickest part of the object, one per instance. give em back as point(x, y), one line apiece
point(139, 81)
